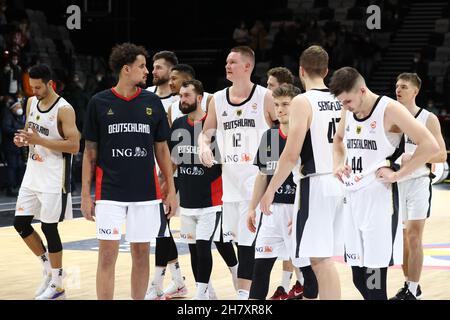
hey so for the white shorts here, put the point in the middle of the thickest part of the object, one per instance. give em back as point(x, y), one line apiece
point(46, 207)
point(317, 220)
point(273, 239)
point(415, 198)
point(144, 222)
point(204, 225)
point(234, 223)
point(373, 235)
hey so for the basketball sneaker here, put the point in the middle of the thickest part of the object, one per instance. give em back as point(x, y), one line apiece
point(401, 292)
point(175, 291)
point(296, 292)
point(154, 294)
point(44, 284)
point(280, 294)
point(212, 293)
point(52, 293)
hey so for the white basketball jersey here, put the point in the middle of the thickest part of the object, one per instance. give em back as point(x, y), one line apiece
point(47, 171)
point(239, 131)
point(176, 113)
point(317, 151)
point(368, 145)
point(410, 146)
point(166, 101)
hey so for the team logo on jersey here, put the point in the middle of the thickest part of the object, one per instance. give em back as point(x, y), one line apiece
point(224, 114)
point(254, 106)
point(128, 153)
point(38, 117)
point(245, 157)
point(265, 249)
point(149, 111)
point(115, 231)
point(239, 112)
point(36, 157)
point(110, 112)
point(51, 118)
point(194, 171)
point(373, 125)
point(358, 129)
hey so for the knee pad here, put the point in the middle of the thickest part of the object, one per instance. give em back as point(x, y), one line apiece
point(22, 224)
point(246, 255)
point(310, 286)
point(51, 233)
point(226, 250)
point(162, 251)
point(261, 278)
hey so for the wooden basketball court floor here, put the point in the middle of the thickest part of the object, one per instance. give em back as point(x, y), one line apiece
point(20, 271)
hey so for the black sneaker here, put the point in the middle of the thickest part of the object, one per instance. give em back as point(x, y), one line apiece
point(418, 293)
point(402, 292)
point(409, 296)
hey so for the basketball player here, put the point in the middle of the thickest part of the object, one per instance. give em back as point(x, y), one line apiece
point(275, 78)
point(240, 114)
point(163, 61)
point(125, 129)
point(52, 136)
point(166, 253)
point(415, 189)
point(372, 126)
point(316, 220)
point(273, 238)
point(200, 210)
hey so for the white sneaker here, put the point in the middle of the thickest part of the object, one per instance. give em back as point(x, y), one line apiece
point(212, 293)
point(201, 297)
point(175, 291)
point(44, 284)
point(153, 294)
point(52, 293)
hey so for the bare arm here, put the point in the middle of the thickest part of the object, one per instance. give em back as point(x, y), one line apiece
point(71, 142)
point(396, 116)
point(269, 108)
point(339, 166)
point(208, 100)
point(88, 172)
point(258, 190)
point(162, 155)
point(435, 128)
point(169, 115)
point(204, 138)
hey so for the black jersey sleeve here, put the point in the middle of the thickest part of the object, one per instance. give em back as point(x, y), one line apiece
point(162, 130)
point(91, 126)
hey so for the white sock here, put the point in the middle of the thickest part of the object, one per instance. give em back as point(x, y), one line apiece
point(57, 277)
point(202, 291)
point(45, 261)
point(299, 275)
point(176, 274)
point(286, 280)
point(233, 271)
point(158, 278)
point(242, 294)
point(412, 286)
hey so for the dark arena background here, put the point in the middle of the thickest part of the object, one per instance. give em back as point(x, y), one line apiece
point(380, 38)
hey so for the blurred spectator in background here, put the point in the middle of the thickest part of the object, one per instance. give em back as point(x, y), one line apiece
point(11, 79)
point(13, 119)
point(241, 35)
point(258, 42)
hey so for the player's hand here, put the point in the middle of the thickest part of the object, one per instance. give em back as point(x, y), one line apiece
point(341, 171)
point(289, 225)
point(387, 175)
point(251, 220)
point(266, 203)
point(171, 204)
point(206, 156)
point(88, 208)
point(30, 137)
point(18, 141)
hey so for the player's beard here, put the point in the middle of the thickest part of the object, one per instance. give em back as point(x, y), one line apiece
point(43, 95)
point(160, 81)
point(188, 108)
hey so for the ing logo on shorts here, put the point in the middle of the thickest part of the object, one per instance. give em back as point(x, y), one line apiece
point(265, 249)
point(186, 236)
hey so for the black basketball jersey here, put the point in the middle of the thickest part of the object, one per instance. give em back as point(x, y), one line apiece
point(199, 186)
point(269, 152)
point(125, 130)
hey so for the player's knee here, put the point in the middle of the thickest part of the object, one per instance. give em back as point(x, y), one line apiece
point(51, 233)
point(246, 256)
point(22, 224)
point(319, 264)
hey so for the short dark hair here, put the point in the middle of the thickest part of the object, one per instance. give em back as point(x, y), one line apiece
point(344, 80)
point(169, 56)
point(286, 90)
point(184, 68)
point(282, 74)
point(315, 61)
point(124, 54)
point(411, 77)
point(245, 51)
point(198, 86)
point(41, 71)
